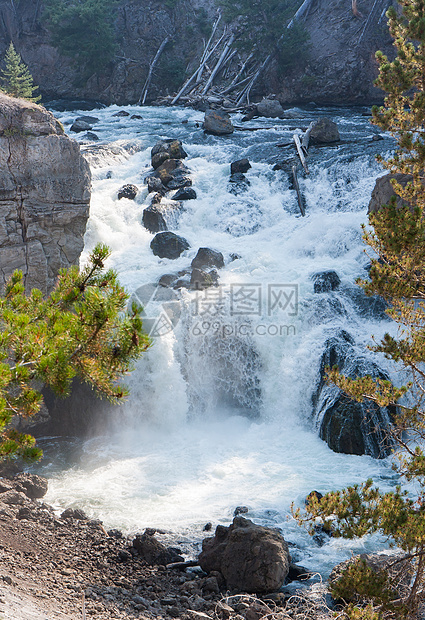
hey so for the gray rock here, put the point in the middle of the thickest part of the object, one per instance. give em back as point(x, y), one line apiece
point(205, 257)
point(153, 219)
point(121, 113)
point(92, 120)
point(250, 557)
point(78, 126)
point(128, 191)
point(34, 487)
point(217, 123)
point(241, 165)
point(383, 191)
point(270, 108)
point(91, 136)
point(173, 174)
point(168, 245)
point(155, 185)
point(200, 279)
point(324, 131)
point(184, 193)
point(74, 513)
point(44, 195)
point(167, 149)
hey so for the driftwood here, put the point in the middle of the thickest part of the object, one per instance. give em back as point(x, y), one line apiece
point(297, 189)
point(219, 64)
point(151, 68)
point(250, 128)
point(207, 46)
point(300, 151)
point(182, 565)
point(375, 5)
point(305, 140)
point(302, 12)
point(355, 10)
point(234, 83)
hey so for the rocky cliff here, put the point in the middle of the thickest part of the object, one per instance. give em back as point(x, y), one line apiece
point(44, 194)
point(340, 68)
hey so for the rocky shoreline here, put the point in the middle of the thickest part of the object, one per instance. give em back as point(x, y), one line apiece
point(68, 567)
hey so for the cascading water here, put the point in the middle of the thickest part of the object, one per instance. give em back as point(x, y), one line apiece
point(220, 412)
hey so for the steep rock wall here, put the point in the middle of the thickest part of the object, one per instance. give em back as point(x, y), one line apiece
point(341, 68)
point(44, 194)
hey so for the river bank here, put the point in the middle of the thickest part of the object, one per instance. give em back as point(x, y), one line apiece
point(61, 567)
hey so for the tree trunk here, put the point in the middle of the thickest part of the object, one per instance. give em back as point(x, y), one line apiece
point(151, 68)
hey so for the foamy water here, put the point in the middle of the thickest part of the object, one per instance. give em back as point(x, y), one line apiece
point(220, 407)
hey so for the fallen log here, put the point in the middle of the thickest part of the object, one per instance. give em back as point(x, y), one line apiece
point(218, 65)
point(239, 128)
point(305, 140)
point(182, 565)
point(302, 12)
point(297, 189)
point(300, 151)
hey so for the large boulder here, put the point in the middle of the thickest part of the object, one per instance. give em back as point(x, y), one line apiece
point(270, 108)
point(128, 191)
point(161, 216)
point(346, 425)
point(250, 557)
point(217, 123)
point(44, 195)
point(241, 165)
point(383, 191)
point(153, 551)
point(167, 149)
point(324, 131)
point(168, 245)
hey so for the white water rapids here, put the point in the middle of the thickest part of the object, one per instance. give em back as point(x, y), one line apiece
point(183, 451)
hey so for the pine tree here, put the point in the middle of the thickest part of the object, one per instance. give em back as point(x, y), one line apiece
point(16, 79)
point(81, 330)
point(397, 236)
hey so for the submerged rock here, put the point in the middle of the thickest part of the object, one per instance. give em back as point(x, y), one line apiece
point(161, 216)
point(250, 557)
point(241, 165)
point(205, 257)
point(184, 193)
point(346, 425)
point(326, 281)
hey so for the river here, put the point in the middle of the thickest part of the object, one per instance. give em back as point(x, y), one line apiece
point(220, 409)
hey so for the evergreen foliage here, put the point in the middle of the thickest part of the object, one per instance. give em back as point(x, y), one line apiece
point(16, 80)
point(397, 236)
point(84, 31)
point(81, 330)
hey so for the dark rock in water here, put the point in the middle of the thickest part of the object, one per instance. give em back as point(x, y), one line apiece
point(367, 306)
point(240, 510)
point(250, 557)
point(33, 486)
point(168, 279)
point(217, 123)
point(78, 126)
point(324, 131)
point(207, 527)
point(313, 495)
point(121, 113)
point(200, 279)
point(184, 193)
point(91, 136)
point(206, 257)
point(384, 191)
point(173, 174)
point(326, 281)
point(270, 108)
point(346, 425)
point(74, 513)
point(161, 216)
point(137, 117)
point(167, 149)
point(128, 191)
point(92, 120)
point(168, 245)
point(155, 185)
point(241, 165)
point(298, 573)
point(153, 551)
point(153, 219)
point(239, 183)
point(250, 115)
